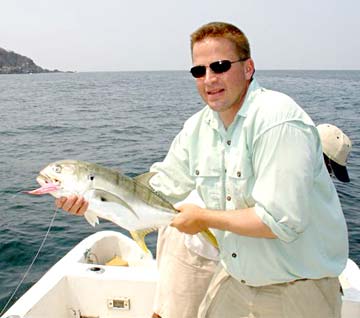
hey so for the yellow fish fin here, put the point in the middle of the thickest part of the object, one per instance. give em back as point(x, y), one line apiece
point(210, 237)
point(139, 238)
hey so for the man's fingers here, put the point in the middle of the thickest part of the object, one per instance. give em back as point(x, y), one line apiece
point(73, 204)
point(69, 203)
point(77, 207)
point(83, 208)
point(60, 202)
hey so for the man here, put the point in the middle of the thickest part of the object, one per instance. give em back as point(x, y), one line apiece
point(255, 158)
point(194, 262)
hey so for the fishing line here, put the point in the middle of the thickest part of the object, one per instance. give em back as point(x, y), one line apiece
point(16, 194)
point(32, 263)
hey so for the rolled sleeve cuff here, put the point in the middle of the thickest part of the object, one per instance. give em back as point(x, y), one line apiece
point(279, 228)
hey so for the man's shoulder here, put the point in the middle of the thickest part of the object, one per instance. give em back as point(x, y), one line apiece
point(275, 99)
point(266, 101)
point(276, 106)
point(272, 108)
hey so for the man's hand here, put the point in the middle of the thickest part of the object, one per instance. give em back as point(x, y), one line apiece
point(193, 219)
point(73, 204)
point(190, 220)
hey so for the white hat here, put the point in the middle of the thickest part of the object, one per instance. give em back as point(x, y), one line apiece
point(336, 146)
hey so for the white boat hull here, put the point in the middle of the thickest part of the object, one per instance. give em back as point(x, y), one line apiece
point(75, 288)
point(80, 285)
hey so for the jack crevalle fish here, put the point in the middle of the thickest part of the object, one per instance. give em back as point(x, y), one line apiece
point(128, 202)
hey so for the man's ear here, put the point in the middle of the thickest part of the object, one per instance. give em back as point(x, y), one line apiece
point(249, 68)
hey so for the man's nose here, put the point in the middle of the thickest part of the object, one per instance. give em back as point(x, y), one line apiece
point(210, 76)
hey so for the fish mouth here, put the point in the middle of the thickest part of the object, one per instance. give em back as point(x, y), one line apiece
point(43, 178)
point(47, 185)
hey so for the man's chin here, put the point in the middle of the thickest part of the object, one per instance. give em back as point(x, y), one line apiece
point(217, 107)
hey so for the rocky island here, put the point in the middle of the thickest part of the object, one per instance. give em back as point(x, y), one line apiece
point(13, 63)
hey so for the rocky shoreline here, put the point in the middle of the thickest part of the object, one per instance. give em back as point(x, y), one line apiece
point(13, 63)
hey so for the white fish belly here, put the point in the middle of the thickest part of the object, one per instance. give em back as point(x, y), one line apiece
point(139, 216)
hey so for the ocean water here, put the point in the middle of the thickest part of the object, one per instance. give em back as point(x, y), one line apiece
point(124, 120)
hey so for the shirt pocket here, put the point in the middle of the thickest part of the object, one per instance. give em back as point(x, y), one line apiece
point(240, 180)
point(208, 184)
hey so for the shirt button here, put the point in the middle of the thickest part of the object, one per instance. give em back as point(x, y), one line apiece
point(238, 174)
point(233, 255)
point(197, 172)
point(228, 198)
point(225, 170)
point(229, 142)
point(243, 281)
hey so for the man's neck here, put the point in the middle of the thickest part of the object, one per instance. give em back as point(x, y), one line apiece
point(228, 116)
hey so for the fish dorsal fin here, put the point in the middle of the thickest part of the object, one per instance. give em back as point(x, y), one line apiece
point(152, 197)
point(107, 196)
point(145, 178)
point(140, 185)
point(139, 238)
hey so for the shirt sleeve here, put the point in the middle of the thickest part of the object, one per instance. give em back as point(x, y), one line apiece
point(284, 161)
point(172, 177)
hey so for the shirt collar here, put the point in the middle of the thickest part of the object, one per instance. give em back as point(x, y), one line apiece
point(250, 95)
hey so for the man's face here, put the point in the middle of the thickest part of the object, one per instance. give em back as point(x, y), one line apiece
point(224, 92)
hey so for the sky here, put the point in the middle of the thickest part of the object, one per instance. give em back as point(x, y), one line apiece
point(136, 35)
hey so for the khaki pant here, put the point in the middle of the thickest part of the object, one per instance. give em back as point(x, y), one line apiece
point(229, 298)
point(184, 276)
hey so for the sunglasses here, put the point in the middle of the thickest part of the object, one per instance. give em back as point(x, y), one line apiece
point(217, 67)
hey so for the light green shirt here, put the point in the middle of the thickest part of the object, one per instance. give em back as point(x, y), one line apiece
point(270, 158)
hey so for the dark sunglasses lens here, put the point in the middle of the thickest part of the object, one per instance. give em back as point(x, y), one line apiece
point(198, 71)
point(220, 66)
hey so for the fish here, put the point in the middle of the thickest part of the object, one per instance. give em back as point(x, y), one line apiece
point(131, 203)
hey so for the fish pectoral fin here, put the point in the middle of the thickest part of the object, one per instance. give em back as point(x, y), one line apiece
point(145, 178)
point(139, 238)
point(91, 217)
point(107, 196)
point(207, 234)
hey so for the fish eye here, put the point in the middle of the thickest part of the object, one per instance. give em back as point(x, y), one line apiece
point(57, 169)
point(91, 177)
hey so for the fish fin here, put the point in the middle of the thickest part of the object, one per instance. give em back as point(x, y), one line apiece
point(145, 178)
point(210, 237)
point(139, 238)
point(107, 196)
point(91, 217)
point(148, 195)
point(144, 191)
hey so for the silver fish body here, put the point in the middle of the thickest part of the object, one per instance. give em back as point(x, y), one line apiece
point(128, 202)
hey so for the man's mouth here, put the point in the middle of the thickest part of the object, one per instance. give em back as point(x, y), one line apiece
point(215, 92)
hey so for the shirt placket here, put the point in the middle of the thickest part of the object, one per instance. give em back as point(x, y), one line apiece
point(229, 205)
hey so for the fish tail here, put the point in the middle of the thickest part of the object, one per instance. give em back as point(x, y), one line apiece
point(139, 238)
point(210, 238)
